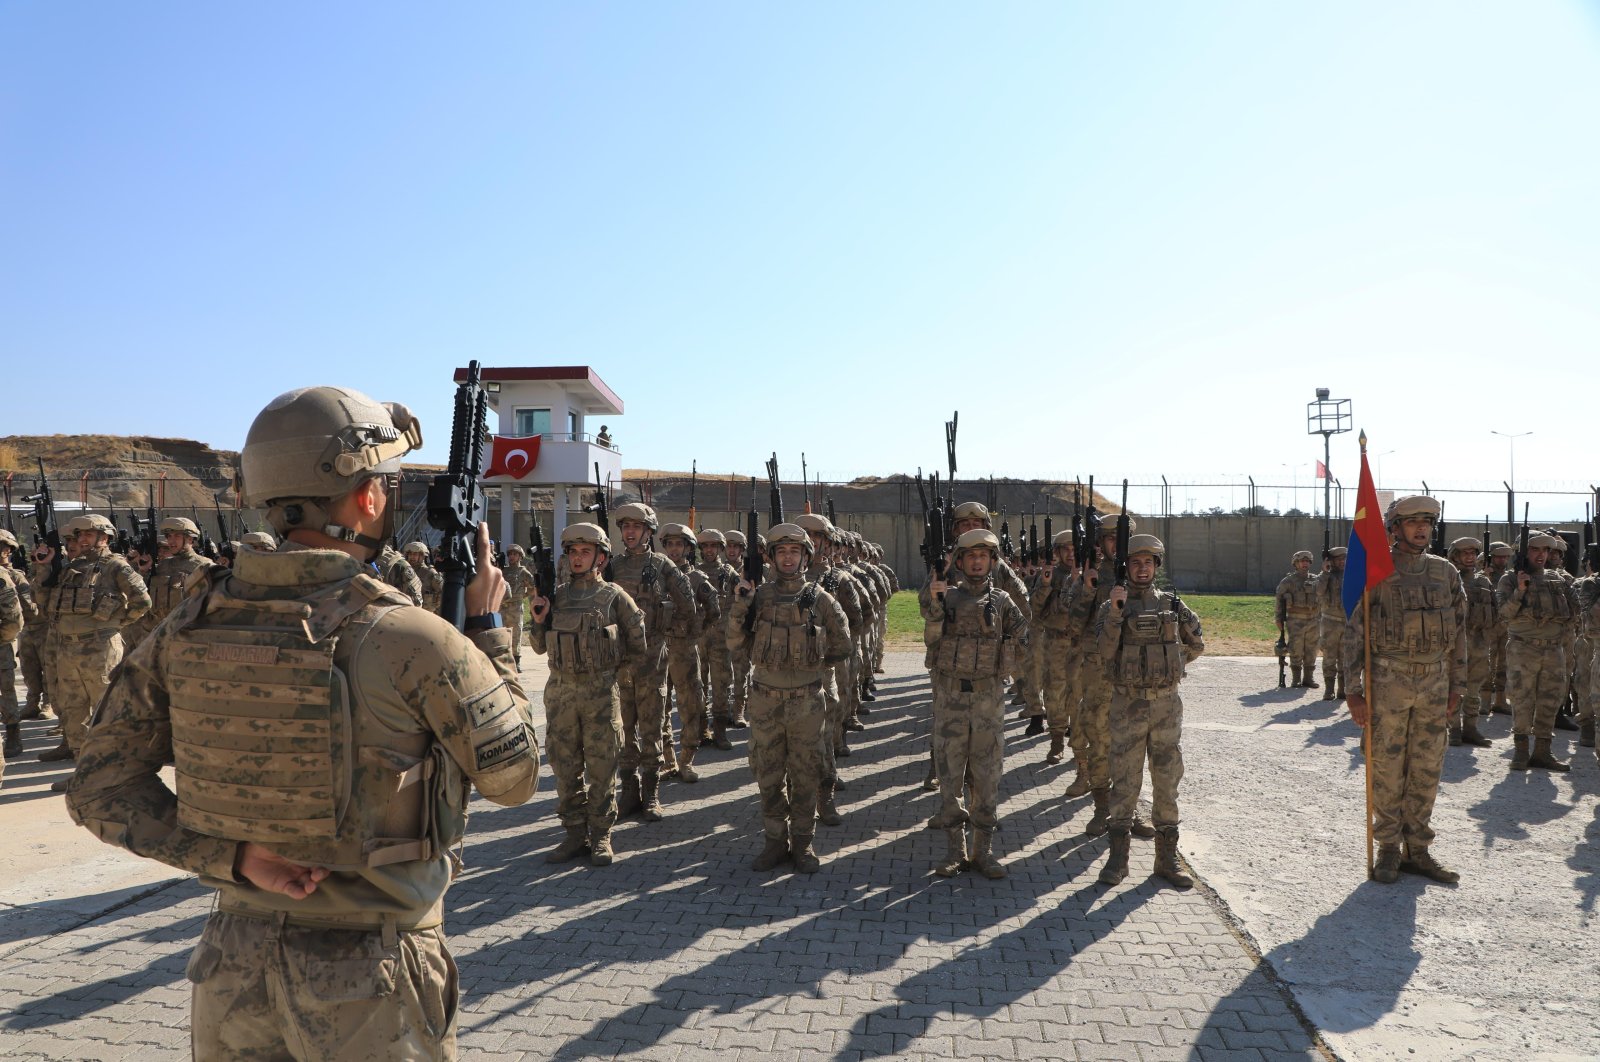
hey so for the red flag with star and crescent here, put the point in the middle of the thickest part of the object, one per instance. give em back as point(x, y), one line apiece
point(512, 456)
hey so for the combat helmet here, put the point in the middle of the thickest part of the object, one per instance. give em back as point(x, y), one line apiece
point(971, 510)
point(675, 531)
point(735, 538)
point(977, 538)
point(315, 444)
point(786, 535)
point(1465, 542)
point(415, 547)
point(1412, 505)
point(710, 536)
point(636, 511)
point(181, 524)
point(1152, 545)
point(585, 534)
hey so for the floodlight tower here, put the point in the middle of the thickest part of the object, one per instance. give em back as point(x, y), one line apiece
point(1327, 417)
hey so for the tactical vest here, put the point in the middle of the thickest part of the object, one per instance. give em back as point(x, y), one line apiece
point(1481, 612)
point(787, 636)
point(1150, 655)
point(1412, 616)
point(648, 589)
point(1300, 600)
point(971, 643)
point(267, 735)
point(167, 582)
point(1547, 600)
point(582, 639)
point(90, 590)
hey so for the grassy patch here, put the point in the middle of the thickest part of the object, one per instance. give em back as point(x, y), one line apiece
point(905, 619)
point(1236, 624)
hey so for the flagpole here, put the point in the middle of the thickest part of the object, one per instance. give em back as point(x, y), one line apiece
point(1366, 685)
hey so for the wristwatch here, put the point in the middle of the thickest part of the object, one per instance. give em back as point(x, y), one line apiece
point(488, 621)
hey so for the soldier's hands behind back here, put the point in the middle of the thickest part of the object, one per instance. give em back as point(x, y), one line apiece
point(267, 870)
point(487, 590)
point(1359, 712)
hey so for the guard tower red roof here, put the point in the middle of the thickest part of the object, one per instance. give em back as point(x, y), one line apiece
point(580, 381)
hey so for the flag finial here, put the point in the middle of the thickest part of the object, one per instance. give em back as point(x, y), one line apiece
point(1363, 438)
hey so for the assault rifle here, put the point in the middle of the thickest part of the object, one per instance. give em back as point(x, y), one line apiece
point(225, 543)
point(694, 467)
point(47, 532)
point(120, 541)
point(1049, 555)
point(774, 493)
point(1077, 523)
point(1484, 556)
point(10, 522)
point(1440, 545)
point(602, 515)
point(833, 517)
point(950, 484)
point(455, 497)
point(1282, 649)
point(1006, 549)
point(752, 531)
point(1120, 565)
point(150, 538)
point(805, 483)
point(1519, 563)
point(544, 564)
point(935, 541)
point(1091, 532)
point(1033, 539)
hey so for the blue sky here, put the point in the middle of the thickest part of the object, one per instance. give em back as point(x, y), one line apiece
point(1121, 239)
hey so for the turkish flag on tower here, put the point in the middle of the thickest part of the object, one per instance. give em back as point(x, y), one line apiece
point(1322, 470)
point(513, 456)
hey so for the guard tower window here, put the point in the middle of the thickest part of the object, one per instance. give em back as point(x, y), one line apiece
point(532, 421)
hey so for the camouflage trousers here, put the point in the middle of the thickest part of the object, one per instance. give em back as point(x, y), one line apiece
point(683, 671)
point(639, 691)
point(1407, 739)
point(30, 658)
point(1536, 681)
point(832, 721)
point(1091, 726)
point(1497, 662)
point(1145, 724)
point(1301, 633)
point(1031, 679)
point(739, 698)
point(786, 744)
point(583, 716)
point(511, 615)
point(716, 672)
point(1583, 680)
point(1063, 664)
point(267, 990)
point(882, 637)
point(969, 717)
point(10, 710)
point(83, 671)
point(1480, 672)
point(1330, 633)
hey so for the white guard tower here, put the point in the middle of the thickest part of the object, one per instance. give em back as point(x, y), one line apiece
point(553, 411)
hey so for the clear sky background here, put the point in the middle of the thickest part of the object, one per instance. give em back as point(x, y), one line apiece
point(1127, 240)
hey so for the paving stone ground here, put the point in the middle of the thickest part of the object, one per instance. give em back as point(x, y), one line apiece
point(679, 951)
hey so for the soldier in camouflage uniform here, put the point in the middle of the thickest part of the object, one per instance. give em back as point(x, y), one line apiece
point(1057, 643)
point(1297, 616)
point(794, 632)
point(31, 647)
point(28, 611)
point(892, 581)
point(11, 625)
point(589, 630)
point(1482, 621)
point(519, 587)
point(716, 668)
point(429, 577)
point(1419, 675)
point(1541, 615)
point(1587, 590)
point(97, 596)
point(393, 569)
point(738, 659)
point(1145, 638)
point(1495, 565)
point(840, 694)
point(327, 939)
point(683, 645)
point(171, 573)
point(661, 591)
point(1091, 726)
point(259, 540)
point(969, 516)
point(1330, 622)
point(978, 637)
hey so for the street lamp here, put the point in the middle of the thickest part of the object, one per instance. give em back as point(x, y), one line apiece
point(1327, 417)
point(1379, 462)
point(1511, 445)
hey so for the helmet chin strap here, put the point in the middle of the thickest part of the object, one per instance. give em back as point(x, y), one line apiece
point(345, 534)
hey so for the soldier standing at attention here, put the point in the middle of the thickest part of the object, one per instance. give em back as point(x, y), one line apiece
point(259, 540)
point(794, 632)
point(1587, 590)
point(1057, 646)
point(660, 590)
point(969, 516)
point(978, 637)
point(519, 586)
point(171, 574)
point(392, 568)
point(325, 735)
point(1145, 639)
point(683, 646)
point(1330, 622)
point(1541, 616)
point(715, 665)
point(11, 623)
point(430, 578)
point(1495, 566)
point(738, 658)
point(31, 646)
point(839, 692)
point(1091, 727)
point(27, 615)
point(589, 630)
point(97, 597)
point(1419, 674)
point(1482, 623)
point(1297, 619)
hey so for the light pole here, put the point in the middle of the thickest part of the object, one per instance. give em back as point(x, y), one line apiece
point(1379, 461)
point(1511, 446)
point(1327, 417)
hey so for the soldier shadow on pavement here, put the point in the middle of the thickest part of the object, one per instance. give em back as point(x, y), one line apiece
point(44, 918)
point(1355, 961)
point(1318, 711)
point(1585, 860)
point(1283, 695)
point(1517, 800)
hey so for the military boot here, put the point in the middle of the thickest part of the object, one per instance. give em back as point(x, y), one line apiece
point(1419, 862)
point(1102, 807)
point(1116, 867)
point(1541, 757)
point(1471, 735)
point(1141, 829)
point(650, 796)
point(1294, 675)
point(628, 793)
point(955, 853)
point(983, 860)
point(1058, 749)
point(1585, 735)
point(1080, 785)
point(1519, 752)
point(805, 860)
point(1340, 697)
point(13, 745)
point(577, 840)
point(1035, 727)
point(60, 752)
point(773, 852)
point(1311, 677)
point(600, 853)
point(1330, 681)
point(1167, 859)
point(686, 771)
point(1501, 706)
point(1564, 721)
point(668, 765)
point(719, 735)
point(1387, 869)
point(827, 811)
point(1455, 734)
point(930, 781)
point(868, 690)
